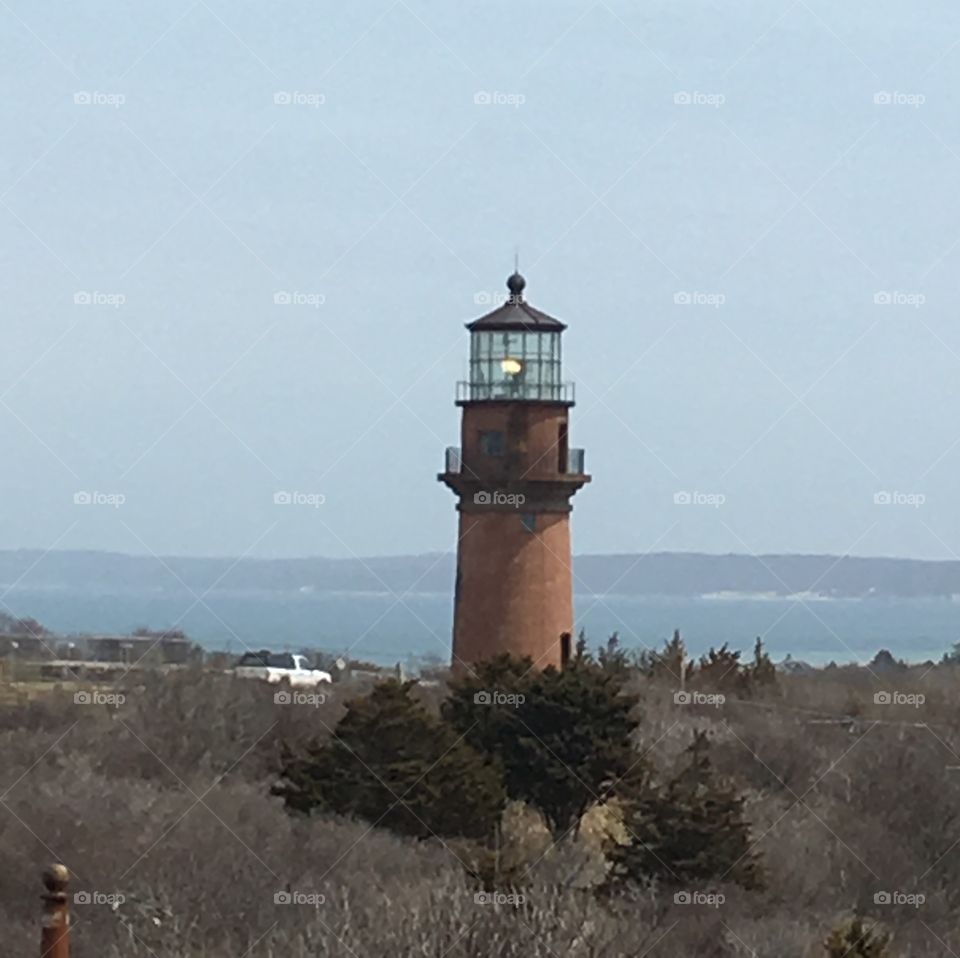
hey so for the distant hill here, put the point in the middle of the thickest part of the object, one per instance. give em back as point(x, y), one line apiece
point(666, 574)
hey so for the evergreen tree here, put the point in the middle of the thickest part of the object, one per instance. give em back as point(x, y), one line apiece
point(720, 669)
point(762, 670)
point(580, 651)
point(564, 739)
point(691, 830)
point(393, 764)
point(671, 663)
point(612, 657)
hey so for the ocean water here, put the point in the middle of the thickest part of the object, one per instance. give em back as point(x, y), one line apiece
point(386, 629)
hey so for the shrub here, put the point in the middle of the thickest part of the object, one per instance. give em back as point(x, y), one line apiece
point(392, 763)
point(671, 664)
point(691, 830)
point(853, 939)
point(562, 738)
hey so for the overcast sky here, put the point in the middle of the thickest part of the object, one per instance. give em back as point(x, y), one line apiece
point(747, 212)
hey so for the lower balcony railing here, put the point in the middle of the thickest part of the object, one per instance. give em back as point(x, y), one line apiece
point(575, 462)
point(515, 392)
point(453, 462)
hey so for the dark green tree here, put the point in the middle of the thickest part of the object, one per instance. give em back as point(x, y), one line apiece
point(580, 650)
point(613, 657)
point(670, 664)
point(691, 830)
point(563, 739)
point(720, 670)
point(394, 764)
point(762, 670)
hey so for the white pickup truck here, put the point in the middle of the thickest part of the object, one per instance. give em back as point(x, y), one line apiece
point(280, 667)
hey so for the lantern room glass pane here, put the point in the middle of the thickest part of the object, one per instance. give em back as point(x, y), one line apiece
point(515, 364)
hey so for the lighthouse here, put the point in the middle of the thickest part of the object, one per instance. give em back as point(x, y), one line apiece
point(514, 475)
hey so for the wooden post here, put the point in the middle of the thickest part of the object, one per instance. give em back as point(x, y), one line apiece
point(55, 936)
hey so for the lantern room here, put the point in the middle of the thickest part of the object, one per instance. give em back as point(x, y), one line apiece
point(515, 354)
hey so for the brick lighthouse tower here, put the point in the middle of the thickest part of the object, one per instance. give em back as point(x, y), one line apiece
point(514, 476)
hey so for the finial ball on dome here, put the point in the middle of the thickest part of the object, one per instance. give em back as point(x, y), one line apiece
point(516, 284)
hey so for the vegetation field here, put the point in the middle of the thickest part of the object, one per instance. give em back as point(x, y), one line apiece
point(651, 807)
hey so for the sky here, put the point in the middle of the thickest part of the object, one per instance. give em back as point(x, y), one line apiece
point(239, 242)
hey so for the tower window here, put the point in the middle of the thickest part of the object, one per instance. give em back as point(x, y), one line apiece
point(562, 457)
point(491, 443)
point(529, 521)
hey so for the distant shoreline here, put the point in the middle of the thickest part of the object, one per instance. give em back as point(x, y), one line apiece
point(680, 574)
